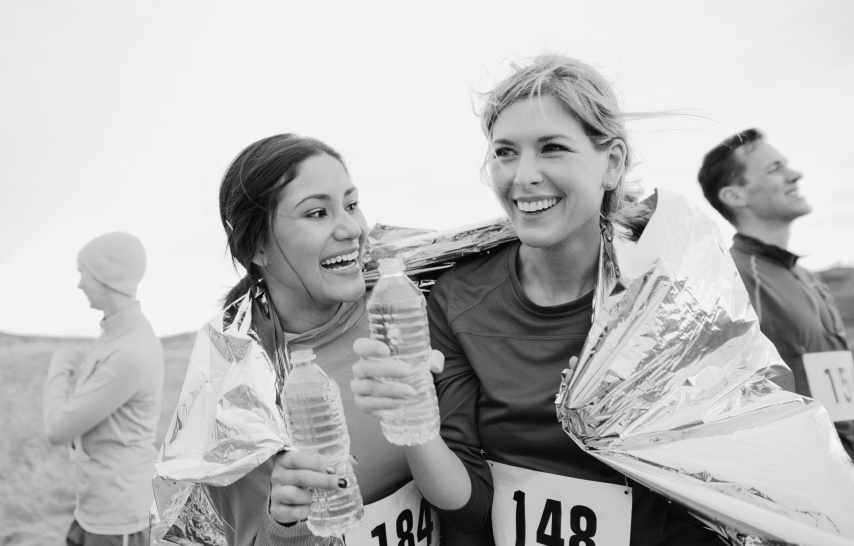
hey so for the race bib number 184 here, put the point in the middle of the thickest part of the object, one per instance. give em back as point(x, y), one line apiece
point(531, 508)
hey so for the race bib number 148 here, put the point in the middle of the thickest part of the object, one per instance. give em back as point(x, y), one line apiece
point(531, 508)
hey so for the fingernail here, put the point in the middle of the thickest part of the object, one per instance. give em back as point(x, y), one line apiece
point(330, 470)
point(342, 483)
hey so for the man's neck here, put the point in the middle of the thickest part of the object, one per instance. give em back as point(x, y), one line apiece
point(776, 234)
point(117, 303)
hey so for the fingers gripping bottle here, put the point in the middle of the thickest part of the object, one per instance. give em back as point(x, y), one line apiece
point(315, 419)
point(397, 312)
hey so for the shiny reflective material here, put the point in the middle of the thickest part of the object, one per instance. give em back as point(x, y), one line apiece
point(229, 418)
point(675, 388)
point(426, 253)
point(226, 424)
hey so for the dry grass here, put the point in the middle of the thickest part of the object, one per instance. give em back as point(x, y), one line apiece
point(36, 479)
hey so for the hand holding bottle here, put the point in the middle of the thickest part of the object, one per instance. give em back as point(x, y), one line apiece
point(379, 379)
point(294, 472)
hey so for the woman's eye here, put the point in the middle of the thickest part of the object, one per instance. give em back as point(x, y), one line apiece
point(353, 207)
point(503, 152)
point(318, 213)
point(552, 147)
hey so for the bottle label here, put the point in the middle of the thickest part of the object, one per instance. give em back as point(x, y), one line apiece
point(403, 518)
point(531, 508)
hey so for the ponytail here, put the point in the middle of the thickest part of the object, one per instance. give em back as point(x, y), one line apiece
point(249, 280)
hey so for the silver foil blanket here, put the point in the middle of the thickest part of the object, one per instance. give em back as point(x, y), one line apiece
point(228, 420)
point(424, 251)
point(676, 389)
point(226, 424)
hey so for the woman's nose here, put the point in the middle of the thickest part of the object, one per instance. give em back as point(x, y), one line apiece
point(347, 227)
point(527, 170)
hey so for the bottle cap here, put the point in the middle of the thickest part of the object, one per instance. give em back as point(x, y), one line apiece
point(300, 355)
point(389, 266)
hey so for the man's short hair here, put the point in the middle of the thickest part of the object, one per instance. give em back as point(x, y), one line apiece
point(721, 168)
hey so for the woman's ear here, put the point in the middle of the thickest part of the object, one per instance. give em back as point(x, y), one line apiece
point(260, 258)
point(616, 157)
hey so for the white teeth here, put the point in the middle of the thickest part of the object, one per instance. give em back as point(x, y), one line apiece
point(533, 206)
point(353, 256)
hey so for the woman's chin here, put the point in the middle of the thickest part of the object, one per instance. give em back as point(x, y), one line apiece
point(350, 291)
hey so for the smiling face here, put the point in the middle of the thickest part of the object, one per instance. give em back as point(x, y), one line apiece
point(771, 191)
point(548, 175)
point(318, 234)
point(96, 292)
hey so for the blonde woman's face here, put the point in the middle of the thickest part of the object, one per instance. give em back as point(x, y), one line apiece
point(546, 172)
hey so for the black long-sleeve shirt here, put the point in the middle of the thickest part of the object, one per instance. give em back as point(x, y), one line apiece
point(504, 356)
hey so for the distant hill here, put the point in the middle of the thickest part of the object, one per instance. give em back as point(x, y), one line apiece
point(7, 340)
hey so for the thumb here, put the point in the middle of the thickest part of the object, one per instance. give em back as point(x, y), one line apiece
point(437, 361)
point(370, 348)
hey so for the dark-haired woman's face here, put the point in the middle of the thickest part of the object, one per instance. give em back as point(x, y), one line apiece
point(318, 237)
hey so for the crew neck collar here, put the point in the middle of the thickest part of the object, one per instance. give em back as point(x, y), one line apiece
point(124, 320)
point(583, 303)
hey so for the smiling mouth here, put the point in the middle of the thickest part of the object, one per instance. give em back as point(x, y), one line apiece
point(342, 262)
point(531, 207)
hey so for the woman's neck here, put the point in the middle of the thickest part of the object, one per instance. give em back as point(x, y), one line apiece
point(562, 273)
point(298, 313)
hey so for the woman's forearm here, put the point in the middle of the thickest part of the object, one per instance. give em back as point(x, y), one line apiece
point(440, 475)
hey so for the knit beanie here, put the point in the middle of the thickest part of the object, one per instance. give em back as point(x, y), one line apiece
point(116, 259)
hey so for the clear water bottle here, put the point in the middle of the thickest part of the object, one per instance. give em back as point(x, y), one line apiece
point(315, 419)
point(397, 312)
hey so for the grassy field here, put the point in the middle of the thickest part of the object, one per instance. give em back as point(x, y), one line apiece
point(36, 489)
point(36, 495)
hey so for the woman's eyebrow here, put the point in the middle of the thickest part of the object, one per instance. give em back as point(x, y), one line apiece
point(320, 196)
point(323, 196)
point(544, 138)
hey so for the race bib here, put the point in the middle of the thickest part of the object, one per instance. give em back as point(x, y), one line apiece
point(831, 379)
point(530, 508)
point(401, 519)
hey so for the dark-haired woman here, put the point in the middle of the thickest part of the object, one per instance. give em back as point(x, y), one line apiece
point(508, 324)
point(293, 222)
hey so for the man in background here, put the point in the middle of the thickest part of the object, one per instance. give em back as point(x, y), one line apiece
point(751, 184)
point(105, 403)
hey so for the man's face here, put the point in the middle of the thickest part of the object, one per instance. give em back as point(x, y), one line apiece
point(771, 188)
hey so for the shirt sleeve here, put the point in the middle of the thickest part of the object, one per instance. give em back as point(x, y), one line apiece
point(112, 383)
point(273, 533)
point(458, 388)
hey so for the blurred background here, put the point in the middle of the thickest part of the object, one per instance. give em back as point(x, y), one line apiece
point(123, 116)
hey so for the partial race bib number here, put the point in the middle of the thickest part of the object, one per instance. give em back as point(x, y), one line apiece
point(401, 519)
point(530, 508)
point(831, 379)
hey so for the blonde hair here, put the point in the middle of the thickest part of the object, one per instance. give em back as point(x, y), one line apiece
point(587, 96)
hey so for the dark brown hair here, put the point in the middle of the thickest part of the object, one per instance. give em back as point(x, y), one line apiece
point(249, 194)
point(721, 168)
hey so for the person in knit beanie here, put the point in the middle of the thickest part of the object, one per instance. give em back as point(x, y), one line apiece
point(105, 403)
point(116, 259)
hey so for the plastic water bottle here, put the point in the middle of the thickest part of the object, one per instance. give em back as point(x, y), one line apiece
point(315, 419)
point(397, 312)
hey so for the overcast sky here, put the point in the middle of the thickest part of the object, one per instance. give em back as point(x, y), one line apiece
point(123, 115)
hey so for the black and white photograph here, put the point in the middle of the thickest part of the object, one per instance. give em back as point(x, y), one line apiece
point(426, 274)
